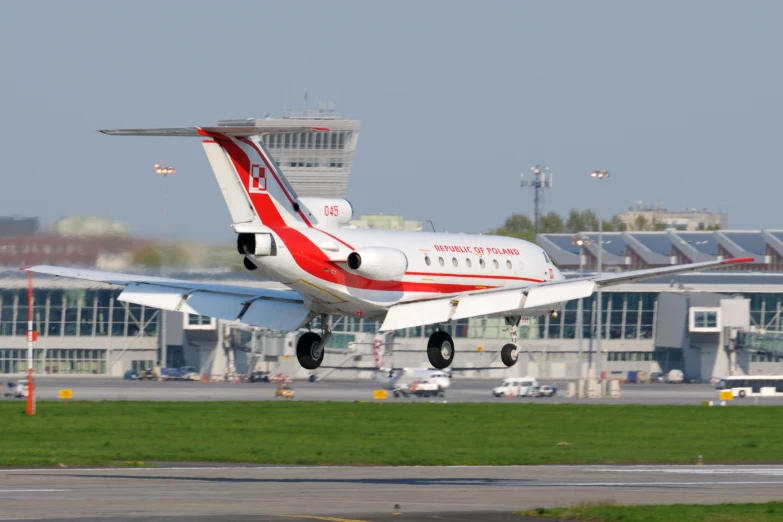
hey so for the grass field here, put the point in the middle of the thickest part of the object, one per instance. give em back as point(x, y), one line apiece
point(83, 433)
point(770, 512)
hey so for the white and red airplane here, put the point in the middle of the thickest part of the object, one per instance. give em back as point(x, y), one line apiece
point(405, 279)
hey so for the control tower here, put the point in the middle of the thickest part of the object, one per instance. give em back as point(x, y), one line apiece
point(317, 163)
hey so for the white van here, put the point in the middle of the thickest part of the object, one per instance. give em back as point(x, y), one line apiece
point(515, 387)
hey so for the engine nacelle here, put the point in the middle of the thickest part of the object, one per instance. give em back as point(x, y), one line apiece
point(378, 263)
point(327, 212)
point(255, 244)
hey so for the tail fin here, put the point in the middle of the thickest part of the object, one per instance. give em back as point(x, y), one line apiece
point(254, 188)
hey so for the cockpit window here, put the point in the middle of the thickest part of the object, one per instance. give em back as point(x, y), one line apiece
point(546, 257)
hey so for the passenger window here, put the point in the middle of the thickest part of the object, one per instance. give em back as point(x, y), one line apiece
point(481, 262)
point(427, 260)
point(440, 261)
point(508, 264)
point(468, 262)
point(495, 263)
point(454, 261)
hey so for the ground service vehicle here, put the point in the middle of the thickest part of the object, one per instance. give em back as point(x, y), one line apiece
point(515, 387)
point(285, 392)
point(742, 386)
point(675, 377)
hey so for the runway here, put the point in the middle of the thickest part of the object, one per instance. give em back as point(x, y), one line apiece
point(201, 492)
point(461, 390)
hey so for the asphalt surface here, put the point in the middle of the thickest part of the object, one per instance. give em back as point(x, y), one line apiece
point(341, 494)
point(332, 390)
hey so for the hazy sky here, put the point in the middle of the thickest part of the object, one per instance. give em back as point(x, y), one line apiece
point(680, 100)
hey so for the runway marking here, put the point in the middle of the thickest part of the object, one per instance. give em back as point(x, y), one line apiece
point(700, 471)
point(642, 484)
point(33, 490)
point(329, 519)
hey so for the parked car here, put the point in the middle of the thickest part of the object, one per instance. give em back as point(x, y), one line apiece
point(131, 375)
point(543, 391)
point(657, 377)
point(259, 376)
point(189, 373)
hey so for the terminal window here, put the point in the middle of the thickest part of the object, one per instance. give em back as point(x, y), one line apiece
point(705, 319)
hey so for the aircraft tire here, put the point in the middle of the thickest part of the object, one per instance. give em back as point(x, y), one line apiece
point(508, 355)
point(307, 351)
point(440, 350)
point(249, 264)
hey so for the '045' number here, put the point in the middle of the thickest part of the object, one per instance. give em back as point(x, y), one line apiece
point(331, 210)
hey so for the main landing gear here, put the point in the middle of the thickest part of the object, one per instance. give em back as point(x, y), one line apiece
point(509, 354)
point(310, 346)
point(440, 350)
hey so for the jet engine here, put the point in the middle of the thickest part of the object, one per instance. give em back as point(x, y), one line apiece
point(328, 212)
point(255, 244)
point(379, 263)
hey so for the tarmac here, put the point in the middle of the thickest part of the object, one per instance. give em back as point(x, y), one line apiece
point(461, 390)
point(373, 494)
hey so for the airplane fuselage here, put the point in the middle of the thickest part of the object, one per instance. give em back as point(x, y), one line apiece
point(313, 262)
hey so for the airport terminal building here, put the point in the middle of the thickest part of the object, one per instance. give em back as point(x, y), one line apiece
point(707, 325)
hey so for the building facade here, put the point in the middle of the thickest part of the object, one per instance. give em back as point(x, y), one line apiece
point(638, 250)
point(704, 324)
point(688, 220)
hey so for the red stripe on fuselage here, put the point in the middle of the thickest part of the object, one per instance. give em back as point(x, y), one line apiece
point(279, 183)
point(336, 238)
point(476, 276)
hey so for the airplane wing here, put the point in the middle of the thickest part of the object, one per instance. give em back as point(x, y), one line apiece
point(278, 309)
point(444, 308)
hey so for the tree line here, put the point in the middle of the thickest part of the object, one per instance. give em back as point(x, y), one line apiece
point(521, 226)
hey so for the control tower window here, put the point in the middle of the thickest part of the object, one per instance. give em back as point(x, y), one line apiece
point(287, 142)
point(342, 140)
point(318, 138)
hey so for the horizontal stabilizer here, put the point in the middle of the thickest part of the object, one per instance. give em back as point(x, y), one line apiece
point(243, 131)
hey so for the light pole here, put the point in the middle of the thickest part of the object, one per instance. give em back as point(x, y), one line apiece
point(163, 171)
point(580, 242)
point(600, 175)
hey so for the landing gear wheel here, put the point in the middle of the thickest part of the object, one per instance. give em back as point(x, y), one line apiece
point(309, 351)
point(440, 350)
point(509, 354)
point(249, 264)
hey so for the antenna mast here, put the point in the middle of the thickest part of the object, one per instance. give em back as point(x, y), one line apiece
point(542, 178)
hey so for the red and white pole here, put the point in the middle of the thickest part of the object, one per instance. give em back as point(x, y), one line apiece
point(31, 335)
